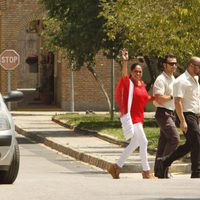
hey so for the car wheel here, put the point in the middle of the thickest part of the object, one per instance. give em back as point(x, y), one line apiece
point(8, 177)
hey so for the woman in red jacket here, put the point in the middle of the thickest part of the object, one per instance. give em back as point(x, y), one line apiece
point(131, 97)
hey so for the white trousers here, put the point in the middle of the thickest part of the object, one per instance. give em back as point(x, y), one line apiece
point(138, 140)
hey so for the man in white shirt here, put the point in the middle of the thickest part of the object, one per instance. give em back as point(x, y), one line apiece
point(186, 94)
point(163, 92)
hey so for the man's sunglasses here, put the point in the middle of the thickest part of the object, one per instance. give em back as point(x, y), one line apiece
point(171, 63)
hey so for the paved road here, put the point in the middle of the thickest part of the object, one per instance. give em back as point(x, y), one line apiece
point(48, 175)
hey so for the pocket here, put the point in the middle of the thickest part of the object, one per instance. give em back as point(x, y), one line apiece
point(167, 114)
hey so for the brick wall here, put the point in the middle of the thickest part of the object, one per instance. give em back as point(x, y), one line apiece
point(15, 15)
point(87, 92)
point(3, 4)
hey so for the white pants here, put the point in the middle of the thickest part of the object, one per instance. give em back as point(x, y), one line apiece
point(138, 140)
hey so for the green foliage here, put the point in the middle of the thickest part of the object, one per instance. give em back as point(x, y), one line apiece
point(79, 29)
point(147, 27)
point(155, 27)
point(51, 34)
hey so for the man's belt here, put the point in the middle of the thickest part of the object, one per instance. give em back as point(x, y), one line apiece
point(164, 109)
point(191, 113)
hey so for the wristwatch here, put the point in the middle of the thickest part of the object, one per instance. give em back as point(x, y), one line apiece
point(171, 97)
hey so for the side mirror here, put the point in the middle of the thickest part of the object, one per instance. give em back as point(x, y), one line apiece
point(13, 96)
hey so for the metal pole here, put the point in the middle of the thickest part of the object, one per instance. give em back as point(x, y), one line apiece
point(9, 87)
point(72, 91)
point(112, 87)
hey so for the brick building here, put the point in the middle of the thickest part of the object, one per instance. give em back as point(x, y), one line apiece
point(20, 25)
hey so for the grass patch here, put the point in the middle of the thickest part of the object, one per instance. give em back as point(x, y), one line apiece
point(102, 123)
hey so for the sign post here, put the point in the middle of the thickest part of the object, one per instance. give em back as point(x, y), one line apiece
point(9, 60)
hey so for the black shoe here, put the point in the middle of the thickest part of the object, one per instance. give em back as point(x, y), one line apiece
point(156, 169)
point(167, 174)
point(162, 170)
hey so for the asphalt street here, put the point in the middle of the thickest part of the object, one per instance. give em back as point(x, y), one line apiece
point(49, 174)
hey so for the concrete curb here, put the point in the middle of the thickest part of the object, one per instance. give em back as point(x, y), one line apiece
point(176, 166)
point(81, 156)
point(97, 134)
point(66, 150)
point(91, 132)
point(90, 159)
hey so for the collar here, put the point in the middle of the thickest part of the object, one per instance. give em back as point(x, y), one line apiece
point(167, 76)
point(188, 76)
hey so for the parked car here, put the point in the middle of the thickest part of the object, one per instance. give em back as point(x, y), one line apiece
point(9, 149)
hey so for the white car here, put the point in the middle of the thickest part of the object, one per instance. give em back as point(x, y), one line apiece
point(9, 149)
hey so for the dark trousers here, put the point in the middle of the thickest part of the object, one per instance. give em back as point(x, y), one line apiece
point(169, 137)
point(192, 145)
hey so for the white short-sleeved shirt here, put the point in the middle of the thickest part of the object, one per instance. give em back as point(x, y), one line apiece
point(164, 86)
point(187, 87)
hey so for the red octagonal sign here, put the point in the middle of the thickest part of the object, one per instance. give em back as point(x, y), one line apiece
point(9, 59)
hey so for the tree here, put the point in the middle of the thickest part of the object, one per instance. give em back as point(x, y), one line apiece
point(155, 27)
point(74, 26)
point(79, 29)
point(149, 28)
point(146, 27)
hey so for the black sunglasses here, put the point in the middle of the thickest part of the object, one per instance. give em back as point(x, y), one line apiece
point(171, 63)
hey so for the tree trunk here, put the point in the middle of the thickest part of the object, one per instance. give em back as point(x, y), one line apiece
point(151, 72)
point(91, 69)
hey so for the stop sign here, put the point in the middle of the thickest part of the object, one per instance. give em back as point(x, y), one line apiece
point(9, 59)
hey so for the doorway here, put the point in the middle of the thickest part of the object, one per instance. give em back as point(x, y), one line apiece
point(36, 71)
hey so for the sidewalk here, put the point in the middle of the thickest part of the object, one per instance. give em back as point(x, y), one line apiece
point(87, 148)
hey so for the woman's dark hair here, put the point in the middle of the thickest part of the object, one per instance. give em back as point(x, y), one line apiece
point(133, 66)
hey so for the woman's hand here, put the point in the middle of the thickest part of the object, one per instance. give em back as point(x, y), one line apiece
point(125, 54)
point(125, 62)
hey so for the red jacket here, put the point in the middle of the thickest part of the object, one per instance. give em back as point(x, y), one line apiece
point(139, 99)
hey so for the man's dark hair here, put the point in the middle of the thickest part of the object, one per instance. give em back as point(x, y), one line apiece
point(169, 55)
